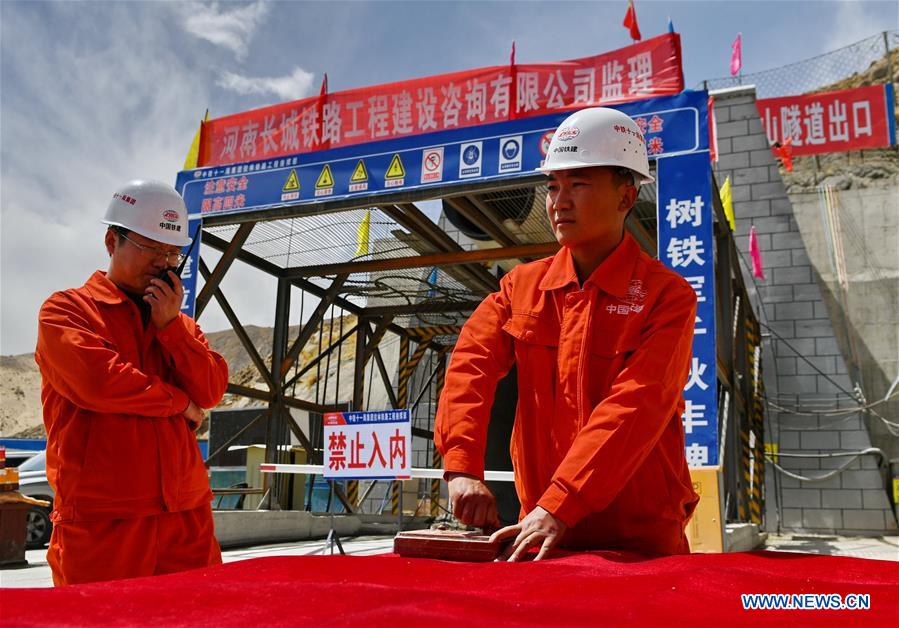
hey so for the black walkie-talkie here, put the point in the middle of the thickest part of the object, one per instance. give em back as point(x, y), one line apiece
point(164, 275)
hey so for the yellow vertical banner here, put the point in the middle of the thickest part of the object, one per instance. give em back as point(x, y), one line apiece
point(727, 200)
point(362, 236)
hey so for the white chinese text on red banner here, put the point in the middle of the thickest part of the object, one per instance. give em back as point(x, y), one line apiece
point(449, 101)
point(831, 122)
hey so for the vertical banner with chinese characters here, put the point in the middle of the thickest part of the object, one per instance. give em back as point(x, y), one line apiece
point(370, 445)
point(686, 245)
point(191, 266)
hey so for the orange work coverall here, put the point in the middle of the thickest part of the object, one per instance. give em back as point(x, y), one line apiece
point(132, 496)
point(598, 439)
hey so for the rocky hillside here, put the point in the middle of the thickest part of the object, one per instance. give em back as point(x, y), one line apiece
point(20, 397)
point(877, 168)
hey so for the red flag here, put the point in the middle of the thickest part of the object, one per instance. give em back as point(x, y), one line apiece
point(630, 21)
point(755, 254)
point(713, 131)
point(784, 152)
point(321, 141)
point(512, 56)
point(736, 55)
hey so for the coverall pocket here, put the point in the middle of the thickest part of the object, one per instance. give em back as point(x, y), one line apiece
point(126, 348)
point(536, 353)
point(130, 353)
point(530, 329)
point(609, 350)
point(120, 447)
point(613, 339)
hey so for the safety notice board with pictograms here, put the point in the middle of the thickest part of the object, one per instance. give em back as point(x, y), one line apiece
point(672, 125)
point(369, 445)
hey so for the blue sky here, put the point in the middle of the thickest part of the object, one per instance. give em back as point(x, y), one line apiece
point(94, 94)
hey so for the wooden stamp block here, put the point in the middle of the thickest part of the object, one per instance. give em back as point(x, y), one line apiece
point(447, 545)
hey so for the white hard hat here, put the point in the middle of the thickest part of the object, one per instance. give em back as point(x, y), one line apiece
point(598, 136)
point(152, 209)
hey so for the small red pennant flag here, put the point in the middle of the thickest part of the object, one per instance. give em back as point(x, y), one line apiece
point(630, 21)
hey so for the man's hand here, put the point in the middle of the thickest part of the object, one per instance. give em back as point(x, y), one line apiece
point(539, 526)
point(473, 502)
point(194, 415)
point(165, 301)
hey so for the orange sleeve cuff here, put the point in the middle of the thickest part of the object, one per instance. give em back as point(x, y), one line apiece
point(563, 504)
point(180, 400)
point(458, 461)
point(173, 334)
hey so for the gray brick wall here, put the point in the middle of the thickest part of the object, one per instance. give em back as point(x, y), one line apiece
point(789, 301)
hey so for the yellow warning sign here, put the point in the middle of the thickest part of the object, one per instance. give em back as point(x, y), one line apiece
point(292, 183)
point(396, 169)
point(325, 179)
point(360, 173)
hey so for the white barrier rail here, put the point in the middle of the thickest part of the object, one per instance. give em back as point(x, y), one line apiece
point(317, 469)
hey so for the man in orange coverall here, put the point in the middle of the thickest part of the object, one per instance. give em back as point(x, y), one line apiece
point(601, 334)
point(125, 376)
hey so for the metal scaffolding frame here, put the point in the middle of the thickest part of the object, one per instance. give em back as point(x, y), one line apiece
point(385, 291)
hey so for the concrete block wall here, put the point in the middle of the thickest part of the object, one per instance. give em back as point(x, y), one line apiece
point(803, 366)
point(866, 320)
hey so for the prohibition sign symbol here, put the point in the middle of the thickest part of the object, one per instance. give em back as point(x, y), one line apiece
point(544, 142)
point(432, 161)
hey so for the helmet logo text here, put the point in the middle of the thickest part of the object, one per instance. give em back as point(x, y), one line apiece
point(567, 134)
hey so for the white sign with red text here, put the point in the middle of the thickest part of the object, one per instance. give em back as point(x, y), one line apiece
point(370, 445)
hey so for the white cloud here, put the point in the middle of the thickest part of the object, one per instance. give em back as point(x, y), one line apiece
point(80, 118)
point(852, 22)
point(291, 87)
point(232, 29)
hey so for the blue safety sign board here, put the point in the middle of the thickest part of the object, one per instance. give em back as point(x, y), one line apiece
point(191, 268)
point(672, 125)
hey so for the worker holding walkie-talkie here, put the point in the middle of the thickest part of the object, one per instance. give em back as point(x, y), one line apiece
point(125, 378)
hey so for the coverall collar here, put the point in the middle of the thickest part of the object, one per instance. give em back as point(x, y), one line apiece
point(612, 276)
point(103, 290)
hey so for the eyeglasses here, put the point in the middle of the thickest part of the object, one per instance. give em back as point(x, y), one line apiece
point(151, 252)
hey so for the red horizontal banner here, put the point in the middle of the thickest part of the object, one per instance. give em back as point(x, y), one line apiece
point(447, 101)
point(829, 122)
